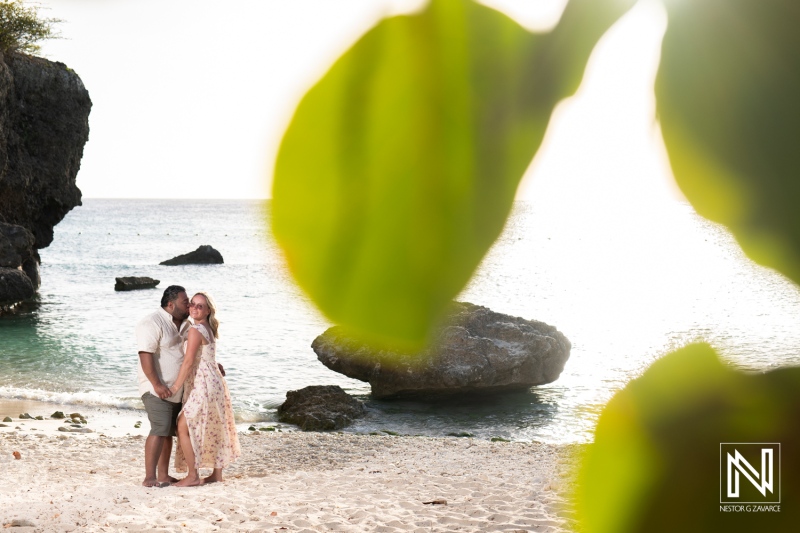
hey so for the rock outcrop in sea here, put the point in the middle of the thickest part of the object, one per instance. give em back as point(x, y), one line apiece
point(477, 351)
point(204, 255)
point(44, 125)
point(134, 283)
point(320, 408)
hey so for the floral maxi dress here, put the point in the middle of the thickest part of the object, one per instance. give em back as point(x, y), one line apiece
point(208, 412)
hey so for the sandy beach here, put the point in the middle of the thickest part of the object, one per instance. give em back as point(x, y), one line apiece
point(285, 481)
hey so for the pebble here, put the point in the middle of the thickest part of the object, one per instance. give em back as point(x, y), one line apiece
point(7, 419)
point(22, 522)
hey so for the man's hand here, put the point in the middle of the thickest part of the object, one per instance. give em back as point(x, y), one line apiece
point(221, 370)
point(149, 369)
point(162, 391)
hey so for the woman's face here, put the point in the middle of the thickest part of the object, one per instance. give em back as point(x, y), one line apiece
point(198, 308)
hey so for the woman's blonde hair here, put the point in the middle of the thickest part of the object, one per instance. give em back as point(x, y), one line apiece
point(212, 313)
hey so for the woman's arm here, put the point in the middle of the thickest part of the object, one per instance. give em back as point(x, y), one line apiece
point(193, 342)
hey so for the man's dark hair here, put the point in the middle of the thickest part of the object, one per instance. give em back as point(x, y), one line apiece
point(171, 294)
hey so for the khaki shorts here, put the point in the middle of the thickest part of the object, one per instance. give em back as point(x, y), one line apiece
point(163, 415)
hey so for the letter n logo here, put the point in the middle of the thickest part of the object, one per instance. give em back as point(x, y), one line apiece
point(750, 472)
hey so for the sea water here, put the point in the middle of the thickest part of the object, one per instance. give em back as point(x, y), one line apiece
point(624, 287)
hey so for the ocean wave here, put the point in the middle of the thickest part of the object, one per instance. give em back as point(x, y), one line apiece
point(88, 398)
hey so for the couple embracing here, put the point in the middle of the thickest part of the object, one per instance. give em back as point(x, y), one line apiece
point(184, 391)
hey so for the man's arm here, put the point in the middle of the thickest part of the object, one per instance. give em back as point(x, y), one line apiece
point(149, 368)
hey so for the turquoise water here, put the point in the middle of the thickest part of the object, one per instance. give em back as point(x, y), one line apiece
point(624, 288)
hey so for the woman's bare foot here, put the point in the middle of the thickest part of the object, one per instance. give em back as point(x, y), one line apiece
point(168, 479)
point(150, 482)
point(189, 481)
point(215, 477)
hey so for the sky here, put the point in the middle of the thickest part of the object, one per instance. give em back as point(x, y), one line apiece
point(191, 98)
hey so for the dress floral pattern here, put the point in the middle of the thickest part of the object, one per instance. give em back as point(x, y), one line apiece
point(208, 412)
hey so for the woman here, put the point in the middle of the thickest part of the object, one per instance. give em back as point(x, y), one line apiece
point(206, 430)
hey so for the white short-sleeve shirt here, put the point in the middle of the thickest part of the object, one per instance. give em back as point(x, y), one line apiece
point(156, 333)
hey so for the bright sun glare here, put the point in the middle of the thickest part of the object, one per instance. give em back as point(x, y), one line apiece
point(178, 116)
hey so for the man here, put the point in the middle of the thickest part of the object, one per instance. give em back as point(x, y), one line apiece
point(159, 340)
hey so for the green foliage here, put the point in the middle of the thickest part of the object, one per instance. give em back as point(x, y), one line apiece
point(400, 166)
point(655, 462)
point(727, 95)
point(21, 27)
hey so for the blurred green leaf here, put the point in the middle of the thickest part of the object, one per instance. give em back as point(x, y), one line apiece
point(400, 165)
point(655, 462)
point(727, 96)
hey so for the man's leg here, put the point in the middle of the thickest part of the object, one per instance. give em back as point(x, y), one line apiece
point(163, 462)
point(158, 446)
point(153, 450)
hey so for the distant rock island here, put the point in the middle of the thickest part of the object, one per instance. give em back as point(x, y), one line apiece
point(135, 283)
point(478, 351)
point(44, 125)
point(204, 255)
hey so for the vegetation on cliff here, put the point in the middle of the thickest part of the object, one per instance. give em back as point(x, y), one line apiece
point(22, 28)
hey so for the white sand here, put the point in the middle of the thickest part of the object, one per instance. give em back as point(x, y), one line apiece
point(290, 481)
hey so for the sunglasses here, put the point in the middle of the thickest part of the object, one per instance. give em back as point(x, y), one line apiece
point(197, 306)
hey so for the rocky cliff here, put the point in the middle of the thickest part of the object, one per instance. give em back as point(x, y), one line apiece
point(44, 124)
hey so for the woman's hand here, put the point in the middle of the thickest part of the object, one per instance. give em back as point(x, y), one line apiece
point(193, 341)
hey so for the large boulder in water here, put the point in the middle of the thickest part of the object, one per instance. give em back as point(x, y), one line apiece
point(320, 408)
point(477, 351)
point(17, 254)
point(204, 255)
point(15, 286)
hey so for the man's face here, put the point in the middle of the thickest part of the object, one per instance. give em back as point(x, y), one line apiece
point(180, 307)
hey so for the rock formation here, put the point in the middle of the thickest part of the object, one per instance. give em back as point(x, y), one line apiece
point(44, 125)
point(478, 351)
point(19, 272)
point(204, 255)
point(133, 283)
point(320, 408)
